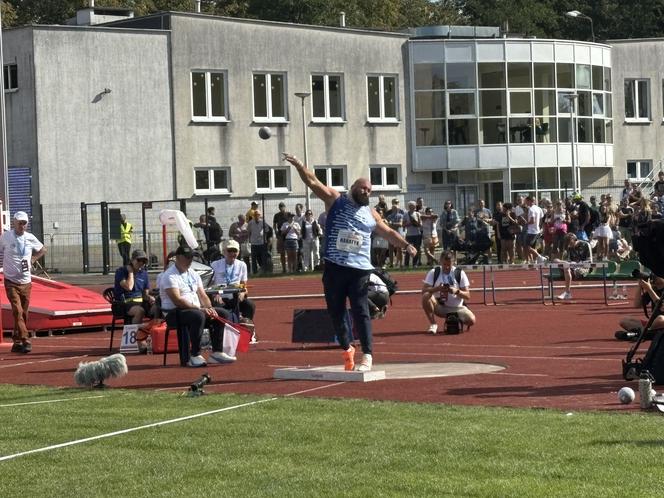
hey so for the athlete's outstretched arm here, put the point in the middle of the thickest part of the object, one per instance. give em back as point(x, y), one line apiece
point(327, 194)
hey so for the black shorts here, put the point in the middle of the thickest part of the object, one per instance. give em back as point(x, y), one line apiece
point(531, 239)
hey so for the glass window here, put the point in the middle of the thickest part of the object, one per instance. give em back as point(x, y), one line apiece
point(208, 95)
point(272, 179)
point(384, 177)
point(327, 97)
point(598, 104)
point(544, 75)
point(518, 75)
point(607, 79)
point(636, 170)
point(598, 131)
point(437, 178)
point(608, 111)
point(584, 106)
point(492, 103)
point(564, 130)
point(269, 96)
point(430, 104)
point(583, 77)
point(460, 75)
point(545, 129)
point(547, 178)
point(584, 130)
point(521, 130)
point(10, 73)
point(382, 97)
point(493, 131)
point(608, 131)
point(523, 179)
point(564, 102)
point(491, 74)
point(545, 102)
point(333, 176)
point(462, 104)
point(462, 131)
point(520, 102)
point(202, 179)
point(598, 78)
point(429, 76)
point(430, 132)
point(565, 74)
point(263, 179)
point(637, 99)
point(207, 180)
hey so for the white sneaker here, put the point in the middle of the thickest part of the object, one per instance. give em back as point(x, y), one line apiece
point(196, 361)
point(254, 339)
point(433, 329)
point(221, 357)
point(365, 364)
point(565, 296)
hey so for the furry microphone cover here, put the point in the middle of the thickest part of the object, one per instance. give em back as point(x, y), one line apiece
point(94, 373)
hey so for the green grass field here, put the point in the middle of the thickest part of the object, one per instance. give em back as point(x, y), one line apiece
point(314, 447)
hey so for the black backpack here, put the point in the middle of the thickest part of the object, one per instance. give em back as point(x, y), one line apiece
point(214, 232)
point(389, 282)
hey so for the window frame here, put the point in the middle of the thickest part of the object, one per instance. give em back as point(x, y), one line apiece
point(208, 118)
point(384, 186)
point(213, 190)
point(635, 97)
point(326, 98)
point(272, 189)
point(270, 118)
point(328, 176)
point(12, 86)
point(638, 163)
point(381, 98)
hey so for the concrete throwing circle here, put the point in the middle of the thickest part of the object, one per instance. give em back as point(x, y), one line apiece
point(426, 370)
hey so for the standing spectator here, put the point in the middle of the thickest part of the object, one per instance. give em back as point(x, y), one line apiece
point(603, 233)
point(626, 191)
point(258, 238)
point(533, 231)
point(299, 215)
point(310, 241)
point(395, 222)
point(658, 188)
point(584, 216)
point(280, 217)
point(250, 213)
point(520, 211)
point(505, 223)
point(239, 232)
point(381, 203)
point(625, 215)
point(380, 247)
point(560, 219)
point(482, 212)
point(322, 221)
point(124, 243)
point(348, 253)
point(449, 222)
point(413, 223)
point(419, 205)
point(429, 235)
point(19, 249)
point(291, 231)
point(498, 212)
point(201, 230)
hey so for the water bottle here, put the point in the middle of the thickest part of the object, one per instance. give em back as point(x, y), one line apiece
point(205, 340)
point(645, 390)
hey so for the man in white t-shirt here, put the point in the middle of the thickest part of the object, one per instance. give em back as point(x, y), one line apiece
point(187, 306)
point(231, 272)
point(443, 292)
point(533, 231)
point(20, 249)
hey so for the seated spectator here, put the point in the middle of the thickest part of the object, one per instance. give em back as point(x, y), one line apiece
point(378, 297)
point(132, 287)
point(646, 295)
point(578, 251)
point(232, 272)
point(186, 305)
point(443, 292)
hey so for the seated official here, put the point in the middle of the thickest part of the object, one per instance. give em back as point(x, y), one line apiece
point(132, 287)
point(444, 291)
point(186, 305)
point(378, 297)
point(578, 251)
point(232, 272)
point(646, 295)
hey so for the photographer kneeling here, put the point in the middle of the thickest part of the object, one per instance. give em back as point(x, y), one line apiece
point(647, 293)
point(444, 291)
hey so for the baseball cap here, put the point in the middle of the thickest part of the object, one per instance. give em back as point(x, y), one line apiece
point(21, 216)
point(139, 254)
point(185, 251)
point(395, 201)
point(254, 204)
point(577, 197)
point(232, 244)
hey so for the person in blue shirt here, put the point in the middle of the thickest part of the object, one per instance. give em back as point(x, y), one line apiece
point(132, 287)
point(349, 225)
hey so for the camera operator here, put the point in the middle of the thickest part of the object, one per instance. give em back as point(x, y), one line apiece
point(647, 293)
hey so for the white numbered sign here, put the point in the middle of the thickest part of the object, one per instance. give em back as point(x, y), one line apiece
point(128, 343)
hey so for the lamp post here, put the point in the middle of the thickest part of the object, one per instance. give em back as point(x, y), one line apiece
point(571, 97)
point(303, 96)
point(579, 15)
point(4, 172)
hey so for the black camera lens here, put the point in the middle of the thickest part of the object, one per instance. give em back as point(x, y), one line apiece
point(640, 275)
point(199, 383)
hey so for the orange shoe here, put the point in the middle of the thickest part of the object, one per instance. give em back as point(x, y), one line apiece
point(349, 358)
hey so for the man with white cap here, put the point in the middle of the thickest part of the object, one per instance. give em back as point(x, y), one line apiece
point(19, 249)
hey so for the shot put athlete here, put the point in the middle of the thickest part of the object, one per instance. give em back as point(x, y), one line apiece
point(350, 222)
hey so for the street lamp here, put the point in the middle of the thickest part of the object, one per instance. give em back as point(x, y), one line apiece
point(303, 96)
point(571, 97)
point(579, 15)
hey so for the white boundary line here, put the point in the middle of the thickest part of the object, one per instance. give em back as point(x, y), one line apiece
point(43, 361)
point(157, 424)
point(51, 401)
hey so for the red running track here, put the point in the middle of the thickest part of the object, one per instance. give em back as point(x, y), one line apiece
point(560, 356)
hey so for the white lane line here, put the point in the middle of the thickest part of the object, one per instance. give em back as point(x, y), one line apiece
point(517, 374)
point(36, 362)
point(51, 401)
point(484, 356)
point(132, 429)
point(155, 424)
